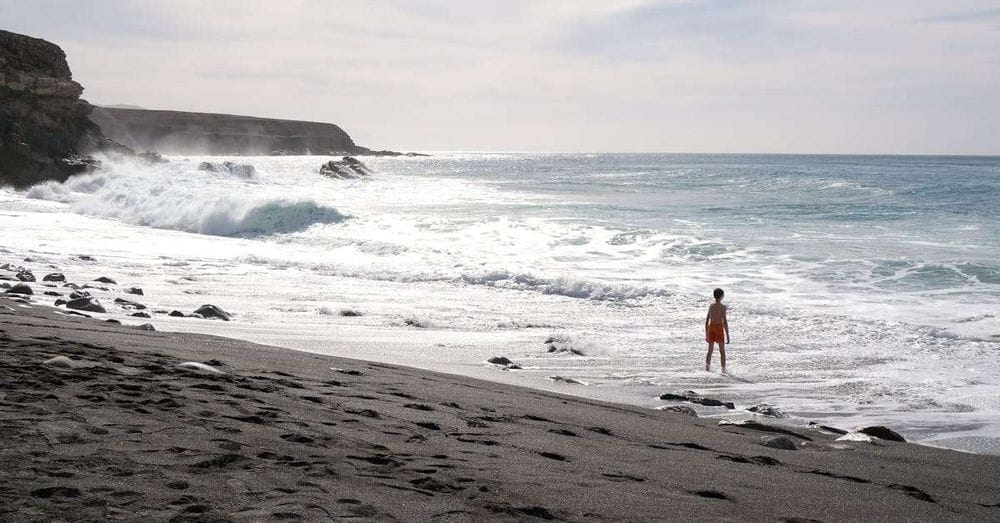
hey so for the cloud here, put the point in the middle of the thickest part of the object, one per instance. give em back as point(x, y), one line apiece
point(681, 75)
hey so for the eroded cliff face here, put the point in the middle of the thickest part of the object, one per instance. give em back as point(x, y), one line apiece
point(44, 126)
point(185, 133)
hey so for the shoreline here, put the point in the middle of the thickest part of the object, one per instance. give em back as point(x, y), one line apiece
point(283, 432)
point(400, 345)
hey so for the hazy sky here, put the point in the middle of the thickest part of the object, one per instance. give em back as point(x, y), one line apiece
point(868, 76)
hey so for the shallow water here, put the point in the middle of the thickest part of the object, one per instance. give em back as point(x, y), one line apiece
point(861, 289)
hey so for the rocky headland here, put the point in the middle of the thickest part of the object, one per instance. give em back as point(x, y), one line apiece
point(45, 132)
point(177, 132)
point(187, 133)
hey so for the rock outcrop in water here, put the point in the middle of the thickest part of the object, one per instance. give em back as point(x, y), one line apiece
point(45, 132)
point(345, 168)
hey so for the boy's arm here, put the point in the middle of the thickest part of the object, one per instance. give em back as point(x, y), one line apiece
point(725, 322)
point(708, 317)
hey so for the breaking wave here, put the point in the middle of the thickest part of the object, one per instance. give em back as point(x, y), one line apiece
point(164, 198)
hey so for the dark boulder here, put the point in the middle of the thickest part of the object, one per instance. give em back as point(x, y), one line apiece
point(140, 315)
point(76, 295)
point(145, 327)
point(52, 293)
point(134, 290)
point(59, 302)
point(767, 410)
point(25, 275)
point(212, 312)
point(881, 432)
point(105, 279)
point(500, 360)
point(20, 288)
point(344, 169)
point(693, 397)
point(129, 304)
point(55, 276)
point(176, 314)
point(86, 303)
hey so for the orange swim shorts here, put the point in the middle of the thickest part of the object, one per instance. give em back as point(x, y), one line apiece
point(715, 333)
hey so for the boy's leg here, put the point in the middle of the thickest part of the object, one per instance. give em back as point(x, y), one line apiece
point(708, 357)
point(722, 354)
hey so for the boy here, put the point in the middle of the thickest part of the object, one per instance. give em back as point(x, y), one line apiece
point(716, 329)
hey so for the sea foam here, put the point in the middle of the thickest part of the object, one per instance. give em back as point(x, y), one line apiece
point(174, 196)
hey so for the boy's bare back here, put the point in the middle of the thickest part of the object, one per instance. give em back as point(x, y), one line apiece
point(716, 314)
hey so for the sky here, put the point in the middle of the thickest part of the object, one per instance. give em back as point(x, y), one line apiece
point(811, 76)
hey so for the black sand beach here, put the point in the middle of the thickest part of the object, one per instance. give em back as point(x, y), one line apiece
point(125, 433)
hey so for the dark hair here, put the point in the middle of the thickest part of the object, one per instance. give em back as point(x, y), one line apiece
point(718, 293)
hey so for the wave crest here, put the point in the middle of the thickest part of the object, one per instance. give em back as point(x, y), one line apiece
point(171, 198)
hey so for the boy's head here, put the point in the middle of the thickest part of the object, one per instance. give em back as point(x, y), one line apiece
point(718, 293)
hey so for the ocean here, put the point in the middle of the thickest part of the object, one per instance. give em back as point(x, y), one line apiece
point(861, 289)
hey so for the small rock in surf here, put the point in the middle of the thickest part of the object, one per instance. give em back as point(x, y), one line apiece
point(212, 312)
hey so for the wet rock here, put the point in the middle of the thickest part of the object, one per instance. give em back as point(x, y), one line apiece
point(55, 276)
point(500, 360)
point(767, 410)
point(212, 312)
point(134, 290)
point(881, 432)
point(86, 257)
point(71, 286)
point(116, 322)
point(145, 327)
point(350, 313)
point(60, 302)
point(693, 397)
point(344, 169)
point(75, 295)
point(129, 304)
point(20, 288)
point(140, 315)
point(176, 314)
point(24, 275)
point(779, 442)
point(52, 293)
point(553, 348)
point(105, 279)
point(87, 304)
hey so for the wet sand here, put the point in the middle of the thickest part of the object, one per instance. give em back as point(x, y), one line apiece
point(123, 432)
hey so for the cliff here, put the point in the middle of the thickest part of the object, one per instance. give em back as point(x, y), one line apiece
point(176, 132)
point(44, 125)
